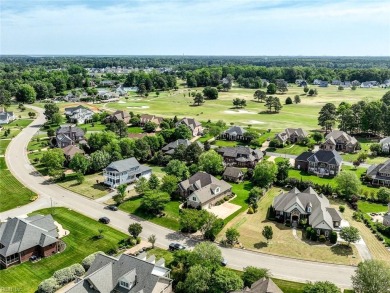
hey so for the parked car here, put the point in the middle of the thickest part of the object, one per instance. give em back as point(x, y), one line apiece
point(176, 246)
point(112, 208)
point(224, 262)
point(104, 220)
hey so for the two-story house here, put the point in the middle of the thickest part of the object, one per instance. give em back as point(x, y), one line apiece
point(385, 144)
point(170, 148)
point(321, 163)
point(79, 114)
point(380, 174)
point(293, 135)
point(234, 133)
point(240, 156)
point(6, 116)
point(145, 118)
point(67, 135)
point(203, 190)
point(118, 115)
point(195, 126)
point(340, 141)
point(124, 172)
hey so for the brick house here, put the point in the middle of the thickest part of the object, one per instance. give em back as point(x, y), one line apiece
point(195, 126)
point(240, 156)
point(67, 135)
point(340, 141)
point(321, 163)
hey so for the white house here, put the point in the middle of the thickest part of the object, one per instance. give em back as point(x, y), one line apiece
point(79, 114)
point(385, 143)
point(6, 117)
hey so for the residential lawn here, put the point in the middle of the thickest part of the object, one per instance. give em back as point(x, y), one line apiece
point(135, 129)
point(157, 170)
point(161, 253)
point(20, 123)
point(89, 188)
point(170, 220)
point(370, 207)
point(3, 145)
point(242, 191)
point(226, 143)
point(205, 138)
point(38, 143)
point(13, 193)
point(96, 126)
point(79, 243)
point(289, 286)
point(293, 149)
point(283, 242)
point(18, 113)
point(365, 144)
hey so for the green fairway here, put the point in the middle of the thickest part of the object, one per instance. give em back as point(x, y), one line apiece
point(13, 193)
point(79, 243)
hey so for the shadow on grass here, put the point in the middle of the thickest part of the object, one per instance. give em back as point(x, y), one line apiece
point(342, 250)
point(260, 245)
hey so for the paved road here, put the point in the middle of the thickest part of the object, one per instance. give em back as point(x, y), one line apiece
point(280, 267)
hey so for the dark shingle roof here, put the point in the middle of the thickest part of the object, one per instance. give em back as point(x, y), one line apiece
point(233, 172)
point(330, 157)
point(264, 285)
point(304, 156)
point(235, 130)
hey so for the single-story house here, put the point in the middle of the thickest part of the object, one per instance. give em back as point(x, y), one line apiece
point(6, 116)
point(195, 126)
point(67, 135)
point(380, 174)
point(126, 273)
point(124, 172)
point(203, 190)
point(295, 206)
point(321, 163)
point(385, 144)
point(264, 285)
point(79, 114)
point(240, 156)
point(292, 135)
point(233, 174)
point(21, 238)
point(340, 141)
point(234, 133)
point(170, 148)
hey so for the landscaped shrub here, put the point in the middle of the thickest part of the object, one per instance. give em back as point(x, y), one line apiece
point(226, 198)
point(308, 232)
point(322, 238)
point(342, 209)
point(138, 240)
point(333, 237)
point(313, 235)
point(87, 261)
point(48, 286)
point(64, 275)
point(77, 270)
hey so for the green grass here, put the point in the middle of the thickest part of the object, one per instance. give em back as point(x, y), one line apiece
point(97, 126)
point(289, 286)
point(369, 207)
point(79, 243)
point(3, 145)
point(134, 129)
point(365, 144)
point(241, 190)
point(205, 138)
point(161, 253)
point(170, 220)
point(157, 170)
point(13, 193)
point(289, 150)
point(226, 143)
point(20, 122)
point(35, 144)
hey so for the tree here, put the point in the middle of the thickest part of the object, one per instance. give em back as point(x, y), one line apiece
point(210, 93)
point(169, 184)
point(224, 280)
point(211, 162)
point(281, 86)
point(239, 103)
point(141, 89)
point(178, 169)
point(371, 276)
point(57, 119)
point(306, 89)
point(348, 183)
point(141, 186)
point(198, 99)
point(317, 136)
point(193, 152)
point(232, 236)
point(350, 234)
point(321, 287)
point(154, 201)
point(153, 182)
point(42, 90)
point(297, 99)
point(121, 128)
point(267, 233)
point(150, 127)
point(80, 178)
point(271, 89)
point(312, 92)
point(386, 98)
point(152, 240)
point(273, 102)
point(198, 280)
point(53, 160)
point(283, 167)
point(121, 191)
point(31, 114)
point(135, 229)
point(383, 195)
point(253, 274)
point(260, 95)
point(327, 116)
point(99, 160)
point(207, 254)
point(288, 101)
point(5, 97)
point(182, 132)
point(191, 220)
point(25, 94)
point(50, 110)
point(79, 163)
point(264, 174)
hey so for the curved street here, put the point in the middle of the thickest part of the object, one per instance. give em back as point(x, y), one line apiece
point(52, 194)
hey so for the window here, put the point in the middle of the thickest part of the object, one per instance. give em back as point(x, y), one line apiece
point(326, 233)
point(318, 232)
point(194, 198)
point(124, 284)
point(217, 190)
point(309, 209)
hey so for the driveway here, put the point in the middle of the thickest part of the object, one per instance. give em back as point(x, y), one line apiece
point(52, 194)
point(224, 210)
point(361, 246)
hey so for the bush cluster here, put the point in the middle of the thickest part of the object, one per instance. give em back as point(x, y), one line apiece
point(60, 278)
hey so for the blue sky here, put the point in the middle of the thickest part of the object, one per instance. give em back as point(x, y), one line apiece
point(220, 27)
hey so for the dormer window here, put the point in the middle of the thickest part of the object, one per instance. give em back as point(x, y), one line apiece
point(309, 209)
point(124, 284)
point(217, 190)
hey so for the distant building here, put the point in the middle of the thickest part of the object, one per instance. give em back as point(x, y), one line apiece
point(385, 144)
point(233, 174)
point(293, 135)
point(323, 84)
point(6, 116)
point(70, 151)
point(145, 118)
point(170, 148)
point(240, 156)
point(119, 115)
point(264, 285)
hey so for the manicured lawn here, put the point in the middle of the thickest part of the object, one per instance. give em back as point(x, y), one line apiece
point(170, 220)
point(157, 170)
point(13, 193)
point(205, 138)
point(365, 148)
point(134, 129)
point(283, 242)
point(79, 243)
point(369, 207)
point(3, 145)
point(226, 143)
point(38, 143)
point(96, 126)
point(293, 149)
point(20, 123)
point(289, 286)
point(89, 188)
point(241, 190)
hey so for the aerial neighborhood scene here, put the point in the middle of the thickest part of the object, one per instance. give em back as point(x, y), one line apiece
point(195, 146)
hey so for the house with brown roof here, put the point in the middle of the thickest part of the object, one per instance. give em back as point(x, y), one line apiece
point(195, 126)
point(292, 135)
point(145, 118)
point(203, 190)
point(170, 148)
point(233, 174)
point(240, 156)
point(379, 174)
point(119, 115)
point(340, 141)
point(264, 285)
point(21, 238)
point(70, 151)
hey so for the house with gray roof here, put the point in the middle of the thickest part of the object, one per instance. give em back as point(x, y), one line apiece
point(322, 163)
point(386, 216)
point(385, 144)
point(294, 206)
point(234, 133)
point(125, 274)
point(70, 151)
point(67, 135)
point(170, 148)
point(79, 114)
point(240, 156)
point(124, 172)
point(340, 141)
point(292, 135)
point(203, 190)
point(195, 126)
point(6, 116)
point(379, 174)
point(233, 174)
point(264, 285)
point(21, 238)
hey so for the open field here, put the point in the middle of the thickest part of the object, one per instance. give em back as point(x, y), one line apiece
point(13, 193)
point(79, 243)
point(369, 207)
point(283, 242)
point(303, 115)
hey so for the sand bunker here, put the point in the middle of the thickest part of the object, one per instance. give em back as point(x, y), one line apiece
point(121, 102)
point(239, 112)
point(139, 107)
point(254, 122)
